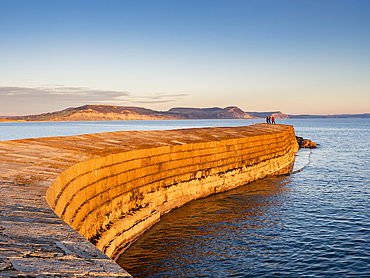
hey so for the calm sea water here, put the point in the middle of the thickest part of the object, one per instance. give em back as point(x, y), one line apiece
point(22, 130)
point(314, 223)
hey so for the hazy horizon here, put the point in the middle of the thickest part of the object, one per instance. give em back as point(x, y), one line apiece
point(297, 57)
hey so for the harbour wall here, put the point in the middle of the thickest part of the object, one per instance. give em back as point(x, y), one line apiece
point(111, 187)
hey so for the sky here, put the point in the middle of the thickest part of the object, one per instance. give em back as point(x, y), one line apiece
point(294, 56)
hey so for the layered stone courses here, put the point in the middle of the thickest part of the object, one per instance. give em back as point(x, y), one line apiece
point(135, 185)
point(112, 187)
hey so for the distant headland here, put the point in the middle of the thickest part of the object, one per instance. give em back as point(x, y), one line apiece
point(121, 113)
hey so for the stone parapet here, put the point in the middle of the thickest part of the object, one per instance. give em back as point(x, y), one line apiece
point(111, 187)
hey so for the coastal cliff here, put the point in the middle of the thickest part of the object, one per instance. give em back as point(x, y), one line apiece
point(122, 113)
point(111, 187)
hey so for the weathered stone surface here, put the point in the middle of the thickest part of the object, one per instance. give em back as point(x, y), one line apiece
point(111, 187)
point(36, 243)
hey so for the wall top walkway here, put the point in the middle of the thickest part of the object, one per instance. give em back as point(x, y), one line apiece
point(33, 239)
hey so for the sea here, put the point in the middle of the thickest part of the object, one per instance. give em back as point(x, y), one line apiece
point(312, 223)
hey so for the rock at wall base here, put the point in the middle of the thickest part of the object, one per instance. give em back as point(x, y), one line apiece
point(305, 143)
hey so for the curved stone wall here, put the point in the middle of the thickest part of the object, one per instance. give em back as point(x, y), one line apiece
point(112, 199)
point(110, 187)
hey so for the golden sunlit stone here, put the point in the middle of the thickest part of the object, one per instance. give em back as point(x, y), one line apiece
point(111, 187)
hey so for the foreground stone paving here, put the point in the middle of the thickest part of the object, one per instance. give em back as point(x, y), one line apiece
point(34, 241)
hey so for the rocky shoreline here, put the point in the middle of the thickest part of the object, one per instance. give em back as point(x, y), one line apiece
point(305, 143)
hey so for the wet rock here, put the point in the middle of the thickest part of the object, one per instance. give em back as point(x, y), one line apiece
point(305, 143)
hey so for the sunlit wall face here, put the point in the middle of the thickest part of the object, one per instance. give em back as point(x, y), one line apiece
point(297, 57)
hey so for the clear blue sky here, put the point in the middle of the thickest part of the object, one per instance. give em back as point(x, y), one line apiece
point(260, 55)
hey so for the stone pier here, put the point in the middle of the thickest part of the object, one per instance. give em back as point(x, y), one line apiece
point(70, 205)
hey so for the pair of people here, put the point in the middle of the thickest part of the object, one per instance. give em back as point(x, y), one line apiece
point(270, 120)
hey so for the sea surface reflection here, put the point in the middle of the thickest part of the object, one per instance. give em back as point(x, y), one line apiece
point(234, 225)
